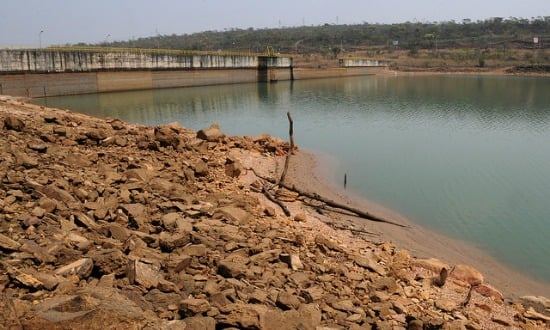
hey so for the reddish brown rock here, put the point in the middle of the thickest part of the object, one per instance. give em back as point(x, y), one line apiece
point(82, 268)
point(7, 243)
point(192, 306)
point(58, 194)
point(93, 308)
point(25, 279)
point(432, 264)
point(300, 217)
point(96, 134)
point(233, 168)
point(467, 274)
point(8, 313)
point(201, 168)
point(25, 160)
point(211, 134)
point(13, 123)
point(109, 261)
point(231, 269)
point(292, 260)
point(489, 291)
point(368, 261)
point(326, 243)
point(501, 320)
point(446, 305)
point(287, 301)
point(171, 241)
point(530, 313)
point(146, 275)
point(167, 136)
point(233, 214)
point(197, 323)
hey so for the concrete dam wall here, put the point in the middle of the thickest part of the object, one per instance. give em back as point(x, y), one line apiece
point(66, 71)
point(52, 60)
point(351, 62)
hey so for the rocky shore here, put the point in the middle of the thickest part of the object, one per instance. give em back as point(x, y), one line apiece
point(107, 225)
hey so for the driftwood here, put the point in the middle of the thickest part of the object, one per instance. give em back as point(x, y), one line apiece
point(290, 150)
point(468, 297)
point(326, 201)
point(267, 194)
point(331, 203)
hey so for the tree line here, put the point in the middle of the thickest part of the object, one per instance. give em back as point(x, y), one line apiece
point(332, 38)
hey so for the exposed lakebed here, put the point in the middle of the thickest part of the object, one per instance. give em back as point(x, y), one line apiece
point(464, 155)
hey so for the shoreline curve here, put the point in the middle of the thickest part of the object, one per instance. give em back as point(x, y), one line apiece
point(308, 169)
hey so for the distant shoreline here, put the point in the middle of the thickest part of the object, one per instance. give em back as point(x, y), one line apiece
point(463, 71)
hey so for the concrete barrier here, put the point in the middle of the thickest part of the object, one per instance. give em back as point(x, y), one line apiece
point(67, 71)
point(349, 62)
point(308, 73)
point(40, 85)
point(50, 60)
point(123, 81)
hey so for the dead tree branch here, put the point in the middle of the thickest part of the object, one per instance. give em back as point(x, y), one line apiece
point(328, 202)
point(267, 194)
point(290, 150)
point(331, 203)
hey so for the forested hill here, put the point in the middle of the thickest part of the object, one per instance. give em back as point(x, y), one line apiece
point(328, 38)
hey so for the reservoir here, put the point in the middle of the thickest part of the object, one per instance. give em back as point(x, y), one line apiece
point(467, 156)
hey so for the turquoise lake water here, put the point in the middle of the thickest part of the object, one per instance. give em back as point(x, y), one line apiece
point(468, 156)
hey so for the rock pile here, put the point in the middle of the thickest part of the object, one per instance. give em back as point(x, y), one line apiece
point(109, 225)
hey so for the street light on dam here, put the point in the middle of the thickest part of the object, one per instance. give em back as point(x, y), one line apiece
point(40, 38)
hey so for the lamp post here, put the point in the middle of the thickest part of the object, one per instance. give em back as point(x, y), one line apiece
point(107, 39)
point(40, 38)
point(158, 39)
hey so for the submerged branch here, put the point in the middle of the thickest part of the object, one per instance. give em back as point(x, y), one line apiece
point(331, 203)
point(280, 183)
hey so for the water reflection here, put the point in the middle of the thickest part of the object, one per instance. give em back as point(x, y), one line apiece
point(487, 100)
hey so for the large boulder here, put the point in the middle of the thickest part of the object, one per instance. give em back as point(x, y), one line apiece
point(167, 136)
point(211, 134)
point(90, 308)
point(13, 123)
point(467, 274)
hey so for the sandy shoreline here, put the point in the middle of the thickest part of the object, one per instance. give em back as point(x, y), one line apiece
point(306, 171)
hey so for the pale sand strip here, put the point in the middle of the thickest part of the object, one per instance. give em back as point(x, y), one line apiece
point(306, 173)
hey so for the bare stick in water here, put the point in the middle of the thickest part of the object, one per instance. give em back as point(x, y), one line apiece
point(328, 202)
point(291, 134)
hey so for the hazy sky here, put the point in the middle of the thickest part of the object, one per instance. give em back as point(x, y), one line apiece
point(91, 21)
